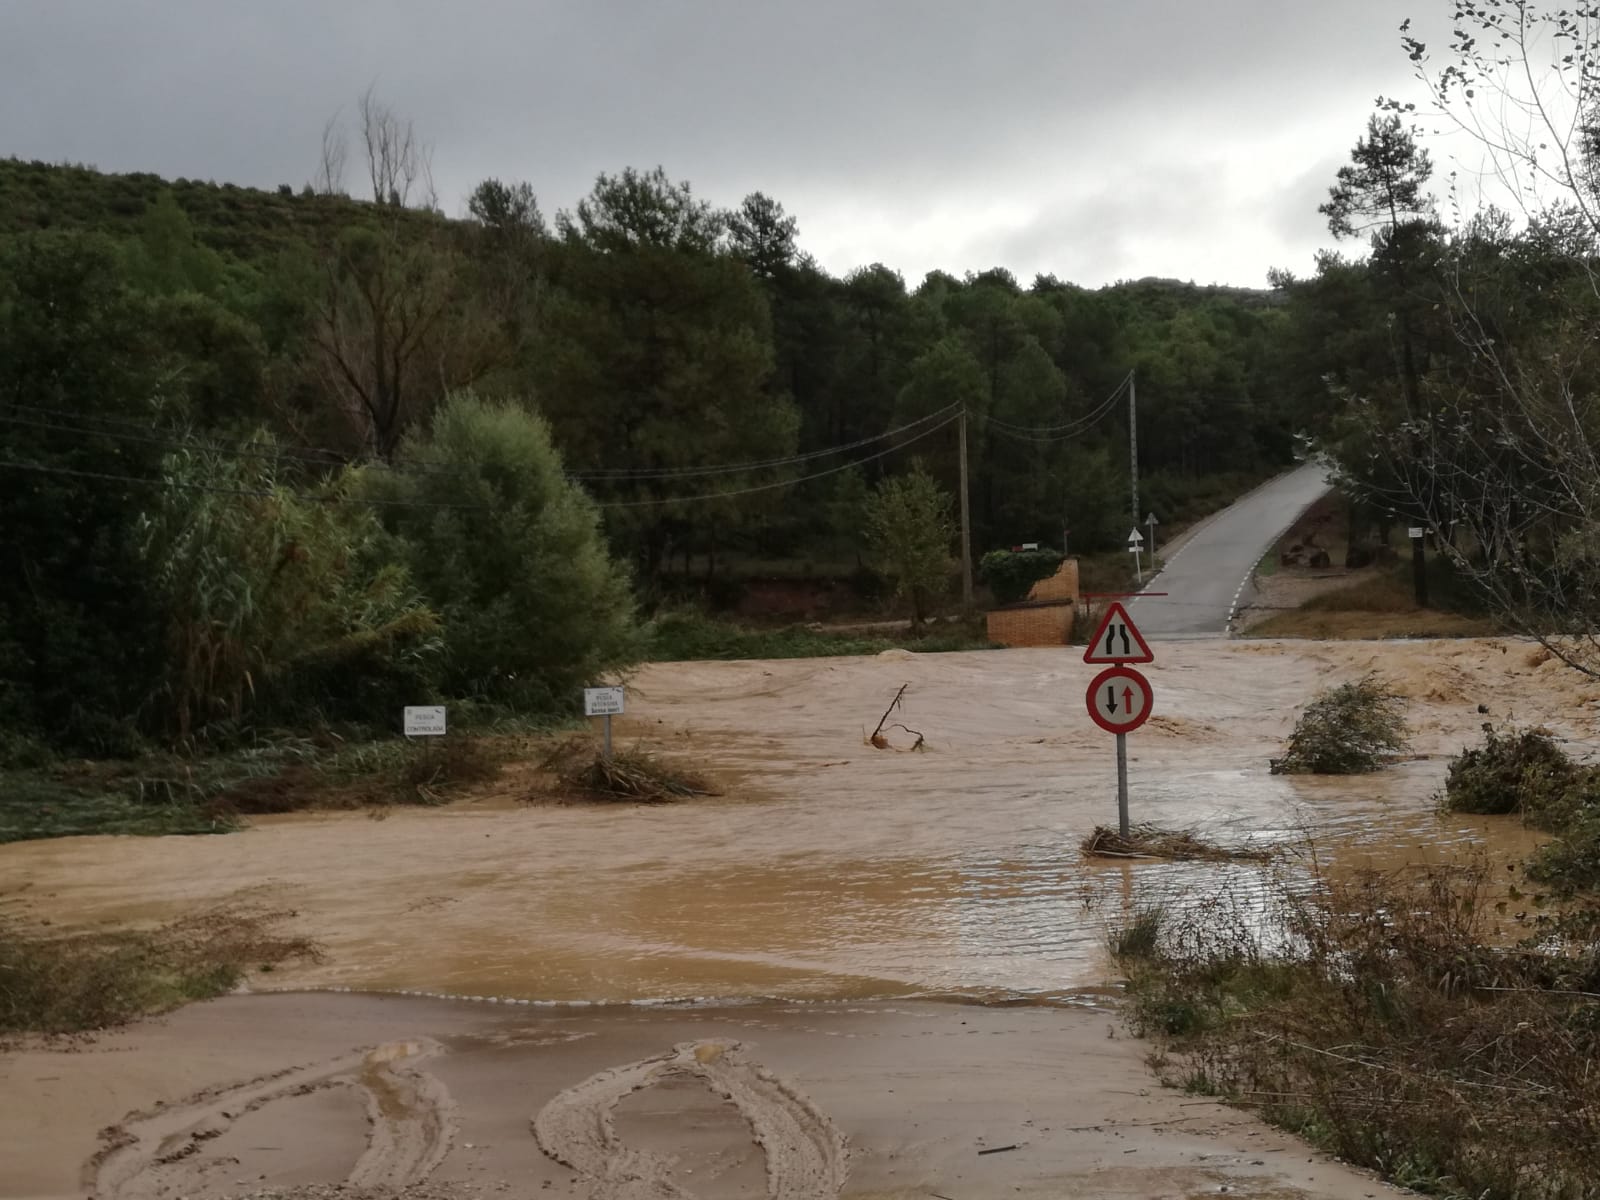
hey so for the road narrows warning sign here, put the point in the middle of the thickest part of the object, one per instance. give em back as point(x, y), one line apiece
point(1118, 640)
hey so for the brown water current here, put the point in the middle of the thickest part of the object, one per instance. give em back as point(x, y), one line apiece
point(832, 870)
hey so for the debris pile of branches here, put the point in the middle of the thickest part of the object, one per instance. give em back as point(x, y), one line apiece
point(628, 775)
point(1150, 841)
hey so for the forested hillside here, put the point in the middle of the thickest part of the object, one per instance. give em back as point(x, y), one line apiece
point(294, 449)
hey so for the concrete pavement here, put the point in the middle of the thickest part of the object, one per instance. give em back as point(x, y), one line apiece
point(1207, 576)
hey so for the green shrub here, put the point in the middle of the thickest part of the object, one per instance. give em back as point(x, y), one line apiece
point(509, 552)
point(1346, 730)
point(1512, 772)
point(1010, 574)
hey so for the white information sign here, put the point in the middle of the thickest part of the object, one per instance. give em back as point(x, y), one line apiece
point(424, 720)
point(602, 702)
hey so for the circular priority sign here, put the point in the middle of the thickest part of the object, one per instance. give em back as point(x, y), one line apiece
point(1119, 699)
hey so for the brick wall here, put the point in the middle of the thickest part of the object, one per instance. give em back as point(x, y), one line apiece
point(1033, 623)
point(1062, 586)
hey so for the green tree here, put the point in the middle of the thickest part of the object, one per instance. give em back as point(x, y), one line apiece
point(656, 363)
point(763, 236)
point(508, 551)
point(78, 373)
point(909, 529)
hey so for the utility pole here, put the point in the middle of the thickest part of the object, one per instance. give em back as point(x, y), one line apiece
point(966, 520)
point(1133, 446)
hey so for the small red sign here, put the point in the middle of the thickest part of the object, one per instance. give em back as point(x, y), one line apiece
point(1119, 699)
point(1118, 640)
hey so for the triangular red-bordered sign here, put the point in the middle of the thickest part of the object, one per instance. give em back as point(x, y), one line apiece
point(1118, 640)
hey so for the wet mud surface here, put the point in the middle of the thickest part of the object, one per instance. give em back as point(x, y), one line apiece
point(791, 1102)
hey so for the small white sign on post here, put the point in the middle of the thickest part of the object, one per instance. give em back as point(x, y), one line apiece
point(603, 702)
point(424, 720)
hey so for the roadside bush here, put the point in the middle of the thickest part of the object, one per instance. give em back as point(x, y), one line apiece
point(1010, 574)
point(1346, 730)
point(509, 552)
point(1385, 1019)
point(1515, 771)
point(1570, 864)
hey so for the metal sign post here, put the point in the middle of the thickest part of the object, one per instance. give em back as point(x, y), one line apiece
point(1119, 698)
point(1122, 784)
point(1135, 539)
point(1150, 523)
point(604, 702)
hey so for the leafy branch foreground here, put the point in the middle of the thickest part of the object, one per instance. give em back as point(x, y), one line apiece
point(76, 982)
point(1388, 1022)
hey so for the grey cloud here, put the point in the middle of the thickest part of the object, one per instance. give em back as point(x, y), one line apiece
point(883, 108)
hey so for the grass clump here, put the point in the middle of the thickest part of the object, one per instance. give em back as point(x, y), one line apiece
point(1139, 938)
point(162, 794)
point(1151, 841)
point(632, 775)
point(77, 982)
point(1346, 730)
point(1386, 1019)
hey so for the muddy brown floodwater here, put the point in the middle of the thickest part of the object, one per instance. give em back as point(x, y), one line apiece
point(831, 870)
point(825, 901)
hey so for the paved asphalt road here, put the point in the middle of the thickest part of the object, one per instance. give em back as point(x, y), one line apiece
point(1208, 574)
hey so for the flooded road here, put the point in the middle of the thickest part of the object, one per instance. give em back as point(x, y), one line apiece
point(831, 870)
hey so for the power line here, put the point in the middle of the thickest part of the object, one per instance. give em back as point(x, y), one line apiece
point(1069, 429)
point(326, 457)
point(782, 483)
point(256, 494)
point(625, 474)
point(1011, 432)
point(320, 456)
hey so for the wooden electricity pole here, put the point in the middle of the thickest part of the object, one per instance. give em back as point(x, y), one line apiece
point(1133, 446)
point(966, 521)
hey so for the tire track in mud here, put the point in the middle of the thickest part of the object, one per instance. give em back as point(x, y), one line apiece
point(410, 1125)
point(806, 1155)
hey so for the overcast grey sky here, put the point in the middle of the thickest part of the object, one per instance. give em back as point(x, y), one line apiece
point(1094, 140)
